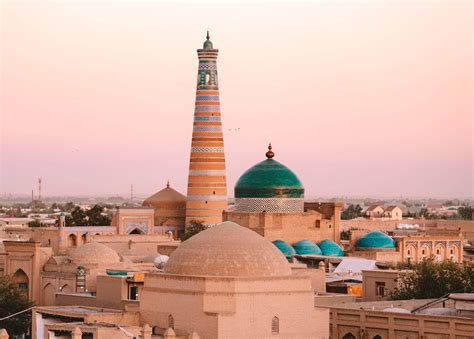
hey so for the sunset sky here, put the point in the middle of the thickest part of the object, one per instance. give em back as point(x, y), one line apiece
point(359, 98)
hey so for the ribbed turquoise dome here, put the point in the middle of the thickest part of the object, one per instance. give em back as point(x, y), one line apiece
point(376, 239)
point(307, 247)
point(285, 248)
point(330, 248)
point(269, 179)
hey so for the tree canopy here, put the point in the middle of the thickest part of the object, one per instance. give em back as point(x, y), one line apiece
point(429, 279)
point(91, 217)
point(194, 228)
point(351, 212)
point(13, 300)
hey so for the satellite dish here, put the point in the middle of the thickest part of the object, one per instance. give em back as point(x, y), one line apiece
point(160, 261)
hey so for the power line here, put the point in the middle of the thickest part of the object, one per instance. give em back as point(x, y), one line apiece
point(15, 314)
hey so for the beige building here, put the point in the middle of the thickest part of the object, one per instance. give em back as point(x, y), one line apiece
point(226, 282)
point(377, 284)
point(444, 318)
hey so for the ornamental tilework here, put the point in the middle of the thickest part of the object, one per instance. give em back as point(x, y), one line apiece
point(207, 149)
point(207, 109)
point(454, 243)
point(441, 243)
point(269, 205)
point(428, 244)
point(207, 98)
point(211, 66)
point(206, 118)
point(201, 128)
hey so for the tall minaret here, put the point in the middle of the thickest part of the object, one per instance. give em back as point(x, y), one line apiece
point(207, 189)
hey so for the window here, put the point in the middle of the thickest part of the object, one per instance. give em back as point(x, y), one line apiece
point(423, 252)
point(133, 293)
point(437, 251)
point(348, 336)
point(23, 286)
point(380, 288)
point(171, 321)
point(409, 252)
point(377, 337)
point(275, 325)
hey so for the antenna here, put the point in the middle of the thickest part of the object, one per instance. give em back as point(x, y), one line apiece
point(39, 189)
point(131, 192)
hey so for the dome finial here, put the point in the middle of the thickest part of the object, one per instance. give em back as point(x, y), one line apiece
point(270, 154)
point(207, 35)
point(168, 184)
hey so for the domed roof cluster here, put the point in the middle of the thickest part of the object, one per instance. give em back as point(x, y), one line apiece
point(326, 248)
point(93, 253)
point(227, 250)
point(375, 239)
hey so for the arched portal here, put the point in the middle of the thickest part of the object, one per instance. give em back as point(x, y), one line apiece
point(49, 295)
point(72, 240)
point(21, 280)
point(348, 336)
point(136, 231)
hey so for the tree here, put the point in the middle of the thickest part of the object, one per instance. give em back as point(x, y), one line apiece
point(465, 212)
point(91, 217)
point(351, 212)
point(194, 228)
point(13, 300)
point(429, 279)
point(34, 223)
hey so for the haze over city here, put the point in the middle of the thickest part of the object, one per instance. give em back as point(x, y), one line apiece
point(359, 99)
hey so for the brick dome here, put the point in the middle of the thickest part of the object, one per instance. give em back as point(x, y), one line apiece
point(168, 197)
point(94, 253)
point(228, 250)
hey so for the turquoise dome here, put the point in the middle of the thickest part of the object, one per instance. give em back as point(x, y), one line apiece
point(269, 179)
point(330, 248)
point(375, 239)
point(307, 247)
point(285, 248)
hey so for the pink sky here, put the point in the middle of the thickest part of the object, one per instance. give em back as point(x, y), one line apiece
point(357, 97)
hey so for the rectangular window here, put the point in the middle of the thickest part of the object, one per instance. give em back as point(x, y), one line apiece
point(380, 288)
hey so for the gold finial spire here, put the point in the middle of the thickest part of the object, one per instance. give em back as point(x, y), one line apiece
point(168, 184)
point(207, 35)
point(270, 153)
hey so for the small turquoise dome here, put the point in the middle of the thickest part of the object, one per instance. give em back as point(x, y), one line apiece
point(375, 239)
point(330, 248)
point(285, 248)
point(307, 247)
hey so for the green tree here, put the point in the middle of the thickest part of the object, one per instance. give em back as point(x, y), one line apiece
point(92, 217)
point(34, 223)
point(429, 279)
point(351, 212)
point(194, 228)
point(13, 300)
point(465, 212)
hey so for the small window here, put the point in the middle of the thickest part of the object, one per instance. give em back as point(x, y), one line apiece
point(133, 293)
point(275, 325)
point(437, 251)
point(380, 288)
point(409, 252)
point(377, 337)
point(423, 252)
point(206, 202)
point(171, 321)
point(452, 251)
point(214, 192)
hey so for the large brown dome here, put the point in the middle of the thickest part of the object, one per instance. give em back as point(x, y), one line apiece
point(229, 250)
point(167, 197)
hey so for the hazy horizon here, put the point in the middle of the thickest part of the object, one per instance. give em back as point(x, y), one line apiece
point(358, 98)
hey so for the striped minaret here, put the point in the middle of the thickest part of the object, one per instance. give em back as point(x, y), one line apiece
point(207, 189)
